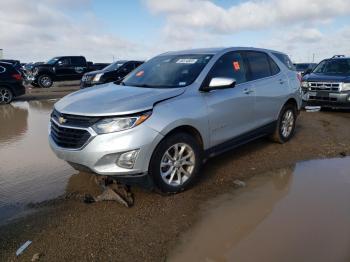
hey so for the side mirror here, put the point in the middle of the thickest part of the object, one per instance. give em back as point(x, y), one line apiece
point(220, 83)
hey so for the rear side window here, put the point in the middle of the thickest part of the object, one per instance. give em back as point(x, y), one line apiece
point(259, 65)
point(77, 61)
point(230, 65)
point(274, 67)
point(285, 60)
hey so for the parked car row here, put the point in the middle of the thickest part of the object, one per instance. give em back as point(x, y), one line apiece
point(63, 68)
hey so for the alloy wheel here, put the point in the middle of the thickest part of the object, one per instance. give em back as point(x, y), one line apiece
point(177, 164)
point(287, 123)
point(5, 96)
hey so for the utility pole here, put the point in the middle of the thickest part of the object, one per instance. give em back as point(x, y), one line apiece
point(313, 58)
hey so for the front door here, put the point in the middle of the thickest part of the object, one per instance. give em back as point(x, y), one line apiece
point(231, 111)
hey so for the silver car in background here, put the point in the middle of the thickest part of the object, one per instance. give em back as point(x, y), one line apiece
point(176, 110)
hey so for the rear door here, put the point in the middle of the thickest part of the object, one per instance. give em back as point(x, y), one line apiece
point(78, 67)
point(270, 85)
point(231, 111)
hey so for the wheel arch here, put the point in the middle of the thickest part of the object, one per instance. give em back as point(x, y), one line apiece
point(189, 130)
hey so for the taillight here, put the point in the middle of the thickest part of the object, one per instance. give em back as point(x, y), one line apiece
point(17, 77)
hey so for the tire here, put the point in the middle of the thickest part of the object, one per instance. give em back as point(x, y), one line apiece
point(6, 95)
point(169, 174)
point(286, 122)
point(45, 81)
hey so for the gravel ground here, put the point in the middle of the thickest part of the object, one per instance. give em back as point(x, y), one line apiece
point(68, 230)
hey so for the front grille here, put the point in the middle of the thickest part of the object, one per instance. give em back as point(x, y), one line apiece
point(323, 98)
point(324, 86)
point(74, 120)
point(69, 137)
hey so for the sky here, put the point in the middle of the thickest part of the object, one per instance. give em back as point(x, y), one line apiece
point(108, 30)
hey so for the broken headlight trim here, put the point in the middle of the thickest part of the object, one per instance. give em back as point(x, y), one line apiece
point(304, 84)
point(345, 87)
point(116, 124)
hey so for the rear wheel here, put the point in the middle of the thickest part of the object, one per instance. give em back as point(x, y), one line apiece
point(285, 124)
point(175, 163)
point(6, 95)
point(45, 81)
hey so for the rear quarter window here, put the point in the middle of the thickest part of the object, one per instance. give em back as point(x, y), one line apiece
point(284, 59)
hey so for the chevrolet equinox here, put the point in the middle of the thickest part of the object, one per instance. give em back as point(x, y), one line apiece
point(176, 110)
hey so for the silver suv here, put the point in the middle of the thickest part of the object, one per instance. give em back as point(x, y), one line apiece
point(175, 111)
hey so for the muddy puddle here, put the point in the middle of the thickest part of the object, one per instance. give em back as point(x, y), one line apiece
point(296, 214)
point(29, 171)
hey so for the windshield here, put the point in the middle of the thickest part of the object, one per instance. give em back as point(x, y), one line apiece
point(52, 61)
point(167, 71)
point(114, 66)
point(334, 66)
point(301, 67)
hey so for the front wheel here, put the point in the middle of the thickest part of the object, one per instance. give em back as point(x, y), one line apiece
point(285, 124)
point(6, 95)
point(175, 163)
point(45, 81)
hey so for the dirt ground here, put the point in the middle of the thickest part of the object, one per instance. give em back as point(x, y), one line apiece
point(69, 230)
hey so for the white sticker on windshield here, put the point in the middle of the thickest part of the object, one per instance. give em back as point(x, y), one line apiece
point(186, 61)
point(182, 83)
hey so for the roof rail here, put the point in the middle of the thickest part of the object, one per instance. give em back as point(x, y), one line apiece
point(338, 56)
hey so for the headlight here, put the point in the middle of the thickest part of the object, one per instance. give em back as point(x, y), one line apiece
point(97, 77)
point(345, 87)
point(110, 125)
point(304, 84)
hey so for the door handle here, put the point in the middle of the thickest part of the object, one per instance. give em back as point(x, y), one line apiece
point(247, 91)
point(281, 81)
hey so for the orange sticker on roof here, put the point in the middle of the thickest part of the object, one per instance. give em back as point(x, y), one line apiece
point(138, 74)
point(236, 65)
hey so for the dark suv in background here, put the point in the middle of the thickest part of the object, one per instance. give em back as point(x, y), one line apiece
point(112, 73)
point(328, 85)
point(62, 68)
point(10, 83)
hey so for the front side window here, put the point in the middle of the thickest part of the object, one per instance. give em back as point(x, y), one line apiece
point(230, 65)
point(168, 71)
point(334, 66)
point(64, 61)
point(259, 65)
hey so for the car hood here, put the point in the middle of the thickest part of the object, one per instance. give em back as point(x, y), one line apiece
point(326, 78)
point(110, 99)
point(95, 72)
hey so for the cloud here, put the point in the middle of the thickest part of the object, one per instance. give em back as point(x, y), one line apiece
point(248, 15)
point(39, 30)
point(292, 26)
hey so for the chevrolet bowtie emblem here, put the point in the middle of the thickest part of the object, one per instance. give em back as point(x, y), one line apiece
point(62, 120)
